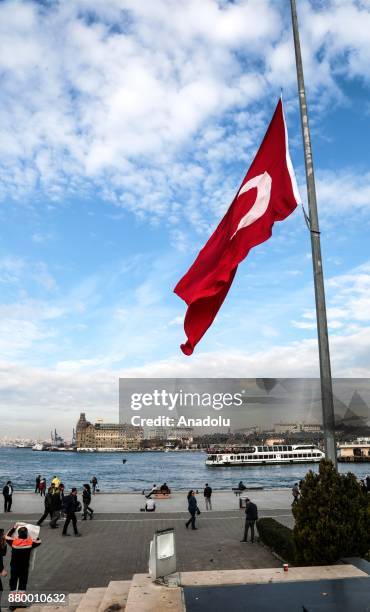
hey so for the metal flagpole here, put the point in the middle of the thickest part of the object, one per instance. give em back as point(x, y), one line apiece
point(322, 326)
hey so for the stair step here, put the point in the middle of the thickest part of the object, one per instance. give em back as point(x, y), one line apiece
point(146, 596)
point(92, 599)
point(115, 596)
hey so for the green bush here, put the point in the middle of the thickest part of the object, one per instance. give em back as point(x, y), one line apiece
point(332, 517)
point(278, 537)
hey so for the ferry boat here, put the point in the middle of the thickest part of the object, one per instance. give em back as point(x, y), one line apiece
point(261, 455)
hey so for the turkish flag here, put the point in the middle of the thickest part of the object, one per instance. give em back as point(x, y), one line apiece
point(267, 194)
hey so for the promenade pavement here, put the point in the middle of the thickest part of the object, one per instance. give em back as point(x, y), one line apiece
point(115, 546)
point(132, 502)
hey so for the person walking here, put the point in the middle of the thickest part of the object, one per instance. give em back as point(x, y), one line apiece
point(55, 482)
point(42, 487)
point(193, 509)
point(56, 507)
point(251, 516)
point(207, 496)
point(368, 483)
point(295, 493)
point(94, 482)
point(3, 572)
point(22, 545)
point(48, 506)
point(86, 500)
point(71, 505)
point(37, 483)
point(8, 496)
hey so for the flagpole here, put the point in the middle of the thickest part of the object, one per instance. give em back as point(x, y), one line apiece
point(322, 325)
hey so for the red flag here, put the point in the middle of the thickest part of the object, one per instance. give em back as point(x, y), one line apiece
point(267, 194)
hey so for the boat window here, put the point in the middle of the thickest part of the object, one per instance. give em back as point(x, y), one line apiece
point(290, 448)
point(259, 448)
point(238, 457)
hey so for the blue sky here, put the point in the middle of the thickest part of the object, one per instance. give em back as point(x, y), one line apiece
point(126, 129)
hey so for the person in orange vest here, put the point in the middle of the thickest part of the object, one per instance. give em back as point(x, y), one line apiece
point(21, 545)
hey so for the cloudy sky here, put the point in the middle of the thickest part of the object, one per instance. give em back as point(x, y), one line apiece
point(126, 128)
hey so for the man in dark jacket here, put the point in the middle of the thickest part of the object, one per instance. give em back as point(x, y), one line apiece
point(48, 506)
point(37, 483)
point(8, 496)
point(56, 506)
point(71, 505)
point(251, 515)
point(207, 496)
point(21, 544)
point(193, 509)
point(86, 500)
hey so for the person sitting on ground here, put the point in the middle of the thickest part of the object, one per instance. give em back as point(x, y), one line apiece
point(241, 486)
point(164, 489)
point(149, 506)
point(153, 490)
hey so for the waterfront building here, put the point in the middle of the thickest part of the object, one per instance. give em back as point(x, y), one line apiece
point(156, 433)
point(107, 436)
point(297, 427)
point(181, 434)
point(354, 452)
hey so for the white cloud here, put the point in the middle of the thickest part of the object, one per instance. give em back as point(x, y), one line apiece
point(343, 190)
point(56, 396)
point(148, 101)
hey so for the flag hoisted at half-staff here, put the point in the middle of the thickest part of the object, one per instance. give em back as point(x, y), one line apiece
point(267, 194)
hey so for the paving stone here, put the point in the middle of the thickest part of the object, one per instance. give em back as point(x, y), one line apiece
point(116, 547)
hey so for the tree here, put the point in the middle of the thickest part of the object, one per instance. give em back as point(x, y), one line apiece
point(332, 517)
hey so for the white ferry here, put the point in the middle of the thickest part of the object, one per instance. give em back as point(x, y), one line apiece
point(261, 455)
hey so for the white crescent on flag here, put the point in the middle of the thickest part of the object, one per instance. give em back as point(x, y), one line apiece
point(262, 182)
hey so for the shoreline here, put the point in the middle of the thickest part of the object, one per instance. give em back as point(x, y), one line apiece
point(251, 489)
point(28, 502)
